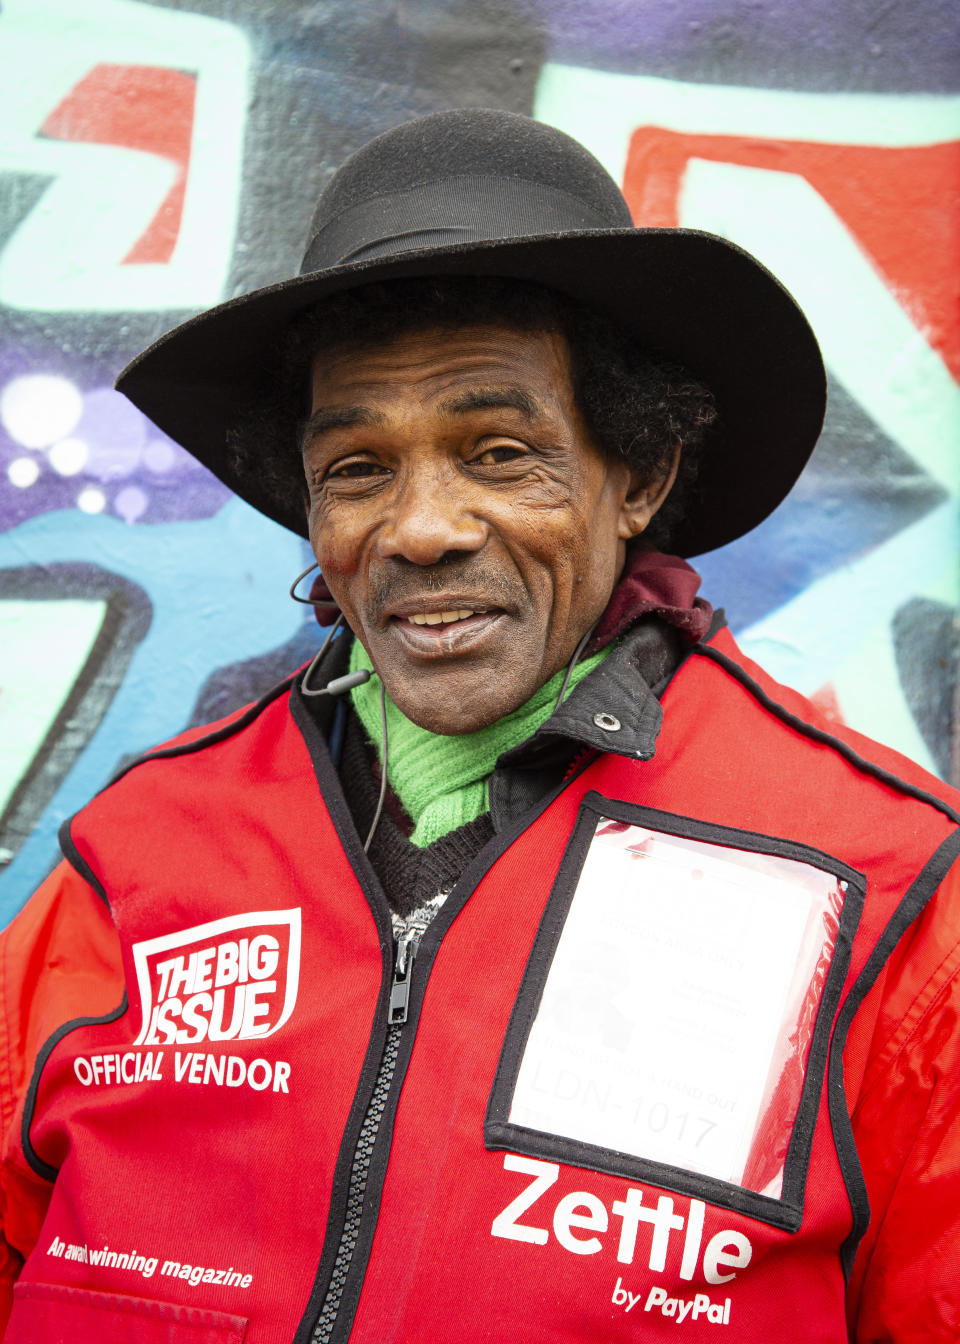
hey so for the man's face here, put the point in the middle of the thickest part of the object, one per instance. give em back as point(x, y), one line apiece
point(462, 517)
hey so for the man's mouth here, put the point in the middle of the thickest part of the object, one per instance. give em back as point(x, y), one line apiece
point(443, 617)
point(449, 629)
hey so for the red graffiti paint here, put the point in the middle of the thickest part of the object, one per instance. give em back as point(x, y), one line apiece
point(825, 699)
point(143, 107)
point(899, 204)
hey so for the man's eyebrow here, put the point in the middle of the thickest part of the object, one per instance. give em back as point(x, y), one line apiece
point(337, 417)
point(494, 398)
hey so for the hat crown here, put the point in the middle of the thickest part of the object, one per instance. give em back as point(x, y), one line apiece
point(462, 176)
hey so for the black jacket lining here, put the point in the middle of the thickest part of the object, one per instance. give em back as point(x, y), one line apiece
point(36, 1162)
point(785, 1212)
point(78, 862)
point(914, 901)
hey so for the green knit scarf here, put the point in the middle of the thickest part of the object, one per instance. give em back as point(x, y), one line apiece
point(442, 781)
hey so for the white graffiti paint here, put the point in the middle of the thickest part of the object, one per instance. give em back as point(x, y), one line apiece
point(867, 339)
point(67, 254)
point(46, 645)
point(603, 110)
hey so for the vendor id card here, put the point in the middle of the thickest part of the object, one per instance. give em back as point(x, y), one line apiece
point(672, 1006)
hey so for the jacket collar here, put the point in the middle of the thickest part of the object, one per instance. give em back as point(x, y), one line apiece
point(616, 708)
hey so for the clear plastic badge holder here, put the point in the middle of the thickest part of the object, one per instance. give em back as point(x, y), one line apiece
point(676, 1018)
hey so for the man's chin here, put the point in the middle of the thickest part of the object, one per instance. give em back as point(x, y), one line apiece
point(448, 719)
point(474, 703)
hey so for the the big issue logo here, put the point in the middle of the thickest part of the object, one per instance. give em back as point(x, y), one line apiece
point(232, 979)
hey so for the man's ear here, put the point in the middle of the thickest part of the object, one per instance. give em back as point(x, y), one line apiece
point(644, 497)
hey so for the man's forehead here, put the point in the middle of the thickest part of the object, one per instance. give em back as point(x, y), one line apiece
point(461, 368)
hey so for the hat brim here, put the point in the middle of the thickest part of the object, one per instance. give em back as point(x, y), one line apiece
point(684, 294)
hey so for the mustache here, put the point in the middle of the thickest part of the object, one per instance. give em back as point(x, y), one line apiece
point(464, 574)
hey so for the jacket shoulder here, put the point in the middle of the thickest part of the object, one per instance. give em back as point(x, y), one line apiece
point(874, 758)
point(201, 736)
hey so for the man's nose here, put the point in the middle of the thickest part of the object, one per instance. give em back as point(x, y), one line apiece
point(430, 516)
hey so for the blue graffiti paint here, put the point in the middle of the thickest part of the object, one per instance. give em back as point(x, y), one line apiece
point(218, 590)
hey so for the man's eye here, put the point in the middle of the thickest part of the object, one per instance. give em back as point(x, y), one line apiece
point(503, 452)
point(354, 469)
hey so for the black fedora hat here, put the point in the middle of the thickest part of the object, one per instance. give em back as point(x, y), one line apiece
point(489, 193)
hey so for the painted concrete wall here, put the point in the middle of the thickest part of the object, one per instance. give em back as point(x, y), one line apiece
point(157, 157)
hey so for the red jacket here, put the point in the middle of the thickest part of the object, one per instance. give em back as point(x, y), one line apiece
point(759, 770)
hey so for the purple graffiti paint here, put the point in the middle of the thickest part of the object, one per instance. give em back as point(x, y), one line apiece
point(110, 447)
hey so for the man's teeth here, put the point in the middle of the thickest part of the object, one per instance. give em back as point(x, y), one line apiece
point(440, 617)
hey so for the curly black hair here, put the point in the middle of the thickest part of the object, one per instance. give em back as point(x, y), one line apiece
point(637, 406)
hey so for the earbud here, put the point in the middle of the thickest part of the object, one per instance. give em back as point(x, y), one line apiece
point(340, 685)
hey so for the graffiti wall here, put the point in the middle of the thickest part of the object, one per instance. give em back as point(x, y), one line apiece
point(158, 157)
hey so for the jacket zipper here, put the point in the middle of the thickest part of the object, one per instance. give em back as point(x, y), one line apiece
point(407, 933)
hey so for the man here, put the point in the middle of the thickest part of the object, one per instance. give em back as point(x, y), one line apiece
point(639, 1009)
